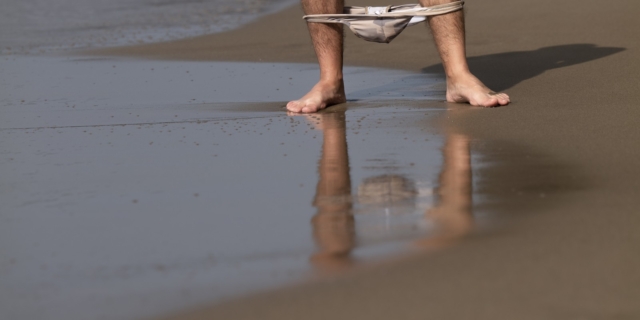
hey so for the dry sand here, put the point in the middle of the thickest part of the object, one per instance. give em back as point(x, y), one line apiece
point(567, 171)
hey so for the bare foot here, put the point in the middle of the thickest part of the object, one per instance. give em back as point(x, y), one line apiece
point(322, 95)
point(468, 89)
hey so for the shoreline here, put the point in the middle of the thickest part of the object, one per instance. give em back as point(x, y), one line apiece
point(279, 42)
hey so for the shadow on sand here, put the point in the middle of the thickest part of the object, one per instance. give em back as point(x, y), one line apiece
point(502, 71)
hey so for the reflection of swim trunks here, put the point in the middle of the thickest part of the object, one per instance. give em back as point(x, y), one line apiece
point(383, 24)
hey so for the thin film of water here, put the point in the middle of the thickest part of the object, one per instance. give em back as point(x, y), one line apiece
point(128, 204)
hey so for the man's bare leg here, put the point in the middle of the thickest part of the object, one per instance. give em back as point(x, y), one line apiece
point(327, 42)
point(462, 86)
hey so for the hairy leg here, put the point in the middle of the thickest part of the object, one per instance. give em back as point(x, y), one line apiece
point(328, 45)
point(462, 86)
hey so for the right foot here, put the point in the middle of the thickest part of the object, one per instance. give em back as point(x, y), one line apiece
point(322, 95)
point(468, 89)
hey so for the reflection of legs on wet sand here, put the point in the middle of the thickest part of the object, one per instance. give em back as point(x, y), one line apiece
point(452, 213)
point(333, 224)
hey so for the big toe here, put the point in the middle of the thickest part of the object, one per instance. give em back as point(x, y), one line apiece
point(503, 99)
point(295, 106)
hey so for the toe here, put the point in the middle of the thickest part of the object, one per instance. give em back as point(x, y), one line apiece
point(295, 106)
point(491, 102)
point(503, 99)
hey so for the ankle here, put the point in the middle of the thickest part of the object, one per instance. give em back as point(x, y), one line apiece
point(332, 75)
point(335, 81)
point(460, 71)
point(460, 77)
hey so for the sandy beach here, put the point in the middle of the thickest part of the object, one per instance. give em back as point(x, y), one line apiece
point(558, 167)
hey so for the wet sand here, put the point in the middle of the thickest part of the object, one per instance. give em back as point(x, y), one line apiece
point(566, 168)
point(561, 166)
point(125, 197)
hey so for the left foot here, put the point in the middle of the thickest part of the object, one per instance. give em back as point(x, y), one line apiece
point(468, 89)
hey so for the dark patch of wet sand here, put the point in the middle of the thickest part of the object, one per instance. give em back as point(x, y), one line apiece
point(572, 70)
point(102, 160)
